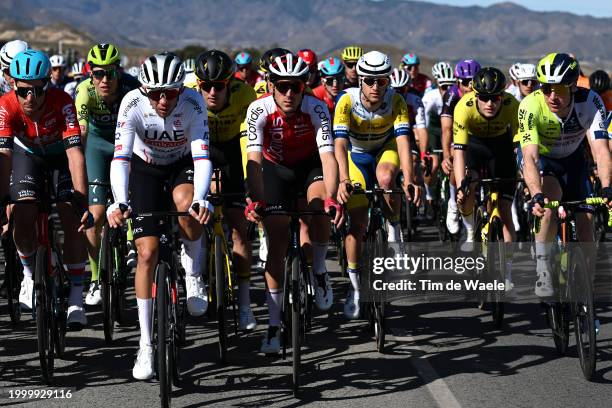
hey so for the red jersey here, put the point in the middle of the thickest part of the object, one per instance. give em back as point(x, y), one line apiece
point(288, 140)
point(420, 83)
point(251, 79)
point(607, 99)
point(322, 94)
point(56, 130)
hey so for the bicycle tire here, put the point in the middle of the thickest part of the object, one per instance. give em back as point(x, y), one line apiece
point(11, 272)
point(105, 267)
point(559, 321)
point(496, 254)
point(295, 321)
point(164, 357)
point(44, 328)
point(119, 277)
point(583, 313)
point(62, 289)
point(380, 243)
point(220, 297)
point(409, 221)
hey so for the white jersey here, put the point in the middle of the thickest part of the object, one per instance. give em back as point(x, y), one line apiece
point(515, 91)
point(432, 102)
point(71, 87)
point(161, 141)
point(416, 110)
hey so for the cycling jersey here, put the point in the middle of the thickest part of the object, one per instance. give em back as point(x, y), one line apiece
point(420, 84)
point(432, 103)
point(288, 140)
point(559, 138)
point(261, 88)
point(606, 97)
point(61, 84)
point(95, 117)
point(225, 124)
point(416, 110)
point(56, 130)
point(450, 99)
point(322, 94)
point(251, 79)
point(368, 131)
point(468, 121)
point(161, 141)
point(515, 91)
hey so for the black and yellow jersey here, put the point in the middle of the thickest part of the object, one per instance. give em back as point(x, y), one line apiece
point(225, 124)
point(468, 121)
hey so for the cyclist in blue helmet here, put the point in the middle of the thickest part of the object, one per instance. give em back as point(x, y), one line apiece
point(244, 68)
point(419, 83)
point(332, 82)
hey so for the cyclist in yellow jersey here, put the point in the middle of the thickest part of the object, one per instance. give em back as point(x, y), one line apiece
point(553, 123)
point(484, 124)
point(227, 100)
point(371, 132)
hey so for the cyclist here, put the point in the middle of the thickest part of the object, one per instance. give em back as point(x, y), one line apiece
point(310, 58)
point(553, 123)
point(39, 132)
point(484, 124)
point(58, 72)
point(97, 99)
point(524, 80)
point(290, 152)
point(244, 68)
point(77, 75)
point(599, 81)
point(419, 83)
point(464, 72)
point(162, 139)
point(191, 81)
point(262, 87)
point(350, 56)
point(332, 82)
point(371, 136)
point(432, 102)
point(7, 53)
point(227, 101)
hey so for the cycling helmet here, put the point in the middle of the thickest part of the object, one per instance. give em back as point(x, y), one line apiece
point(489, 81)
point(162, 71)
point(103, 54)
point(519, 71)
point(243, 58)
point(189, 65)
point(9, 50)
point(57, 61)
point(309, 57)
point(214, 65)
point(134, 71)
point(466, 69)
point(443, 72)
point(399, 78)
point(77, 68)
point(268, 56)
point(30, 65)
point(374, 64)
point(87, 70)
point(331, 67)
point(410, 59)
point(558, 68)
point(599, 81)
point(288, 66)
point(352, 53)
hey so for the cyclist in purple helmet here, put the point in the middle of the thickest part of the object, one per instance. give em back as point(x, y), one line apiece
point(464, 72)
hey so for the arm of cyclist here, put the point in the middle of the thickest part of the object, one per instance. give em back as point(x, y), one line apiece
point(446, 123)
point(460, 143)
point(81, 101)
point(405, 156)
point(6, 160)
point(202, 167)
point(531, 174)
point(345, 187)
point(255, 123)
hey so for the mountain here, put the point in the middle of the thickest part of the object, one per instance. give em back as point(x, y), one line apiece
point(499, 33)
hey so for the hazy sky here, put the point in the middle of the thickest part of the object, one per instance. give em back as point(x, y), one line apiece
point(597, 8)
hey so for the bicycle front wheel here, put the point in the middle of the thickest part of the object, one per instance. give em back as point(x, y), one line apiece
point(296, 323)
point(164, 353)
point(220, 297)
point(44, 315)
point(496, 268)
point(105, 266)
point(380, 251)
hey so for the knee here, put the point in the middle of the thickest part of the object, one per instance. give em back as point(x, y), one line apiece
point(386, 179)
point(147, 254)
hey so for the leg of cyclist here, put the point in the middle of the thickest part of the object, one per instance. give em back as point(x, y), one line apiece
point(24, 235)
point(93, 248)
point(191, 255)
point(386, 174)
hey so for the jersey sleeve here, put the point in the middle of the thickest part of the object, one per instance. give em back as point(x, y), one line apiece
point(460, 125)
point(124, 147)
point(199, 139)
point(514, 106)
point(81, 101)
point(597, 129)
point(448, 104)
point(428, 105)
point(527, 127)
point(319, 116)
point(71, 133)
point(419, 117)
point(342, 116)
point(6, 128)
point(401, 121)
point(255, 123)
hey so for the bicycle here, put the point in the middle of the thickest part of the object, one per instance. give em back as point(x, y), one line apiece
point(574, 294)
point(113, 273)
point(488, 231)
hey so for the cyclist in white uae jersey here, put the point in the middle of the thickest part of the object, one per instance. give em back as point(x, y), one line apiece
point(161, 140)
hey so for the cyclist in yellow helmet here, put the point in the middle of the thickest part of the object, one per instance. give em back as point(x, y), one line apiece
point(350, 55)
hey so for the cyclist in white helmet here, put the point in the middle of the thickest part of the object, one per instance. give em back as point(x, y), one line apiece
point(59, 79)
point(524, 80)
point(77, 73)
point(7, 53)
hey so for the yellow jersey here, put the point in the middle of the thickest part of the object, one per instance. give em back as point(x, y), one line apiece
point(225, 124)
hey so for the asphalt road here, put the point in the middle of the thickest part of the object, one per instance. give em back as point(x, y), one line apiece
point(438, 355)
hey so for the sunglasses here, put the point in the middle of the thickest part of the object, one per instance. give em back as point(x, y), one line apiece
point(381, 82)
point(284, 86)
point(329, 80)
point(35, 91)
point(99, 74)
point(466, 81)
point(219, 86)
point(350, 65)
point(559, 89)
point(528, 82)
point(168, 94)
point(492, 98)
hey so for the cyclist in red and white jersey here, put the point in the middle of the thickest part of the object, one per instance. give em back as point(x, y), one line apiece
point(290, 152)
